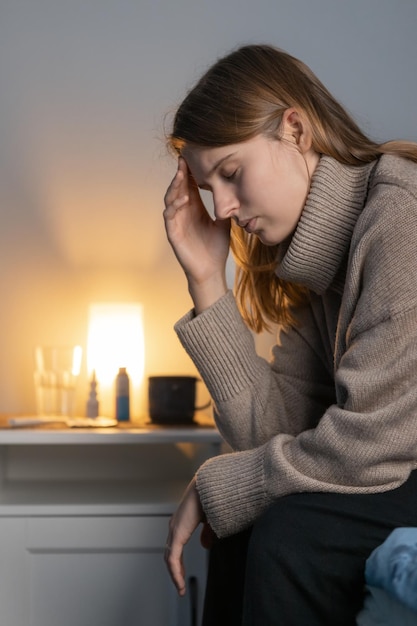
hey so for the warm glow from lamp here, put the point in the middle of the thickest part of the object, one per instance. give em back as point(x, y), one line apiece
point(116, 339)
point(76, 360)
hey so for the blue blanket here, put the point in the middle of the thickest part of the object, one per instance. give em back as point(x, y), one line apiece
point(382, 609)
point(393, 566)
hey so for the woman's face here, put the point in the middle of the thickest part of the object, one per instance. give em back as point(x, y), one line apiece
point(261, 183)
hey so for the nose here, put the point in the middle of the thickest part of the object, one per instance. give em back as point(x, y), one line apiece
point(225, 205)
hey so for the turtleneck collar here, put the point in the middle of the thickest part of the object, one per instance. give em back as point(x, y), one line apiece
point(323, 234)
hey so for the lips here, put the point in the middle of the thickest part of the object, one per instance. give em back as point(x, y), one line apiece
point(249, 225)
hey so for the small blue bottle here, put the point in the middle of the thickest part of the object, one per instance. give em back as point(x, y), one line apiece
point(122, 396)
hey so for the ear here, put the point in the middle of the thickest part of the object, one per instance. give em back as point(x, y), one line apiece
point(294, 127)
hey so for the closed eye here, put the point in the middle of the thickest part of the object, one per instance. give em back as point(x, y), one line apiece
point(230, 176)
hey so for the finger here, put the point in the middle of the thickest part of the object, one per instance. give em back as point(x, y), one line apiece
point(173, 559)
point(177, 183)
point(192, 184)
point(183, 165)
point(188, 174)
point(171, 209)
point(192, 187)
point(174, 191)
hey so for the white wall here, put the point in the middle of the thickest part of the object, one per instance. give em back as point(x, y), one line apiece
point(84, 88)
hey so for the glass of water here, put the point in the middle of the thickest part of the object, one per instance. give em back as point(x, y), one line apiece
point(56, 374)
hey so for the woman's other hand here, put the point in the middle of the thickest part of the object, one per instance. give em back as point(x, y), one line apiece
point(181, 526)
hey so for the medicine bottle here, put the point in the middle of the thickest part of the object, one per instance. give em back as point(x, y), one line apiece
point(122, 396)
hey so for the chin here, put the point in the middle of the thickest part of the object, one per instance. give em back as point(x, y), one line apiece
point(267, 241)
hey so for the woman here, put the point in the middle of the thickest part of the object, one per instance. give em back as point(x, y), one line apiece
point(322, 223)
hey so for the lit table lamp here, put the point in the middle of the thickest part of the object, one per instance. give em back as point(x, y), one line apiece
point(115, 340)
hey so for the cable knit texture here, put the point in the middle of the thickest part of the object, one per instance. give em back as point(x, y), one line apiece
point(336, 408)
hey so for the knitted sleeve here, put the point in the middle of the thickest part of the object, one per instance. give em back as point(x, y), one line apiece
point(255, 399)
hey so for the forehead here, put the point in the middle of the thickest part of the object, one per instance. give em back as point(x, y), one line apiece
point(209, 155)
point(206, 156)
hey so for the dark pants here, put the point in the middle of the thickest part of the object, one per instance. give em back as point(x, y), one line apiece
point(302, 563)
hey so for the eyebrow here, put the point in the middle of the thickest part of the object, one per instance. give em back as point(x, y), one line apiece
point(217, 165)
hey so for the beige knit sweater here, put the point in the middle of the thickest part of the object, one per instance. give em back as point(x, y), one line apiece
point(336, 408)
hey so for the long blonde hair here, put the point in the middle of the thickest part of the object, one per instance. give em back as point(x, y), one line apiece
point(243, 95)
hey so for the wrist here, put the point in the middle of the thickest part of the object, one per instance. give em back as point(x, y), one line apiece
point(205, 294)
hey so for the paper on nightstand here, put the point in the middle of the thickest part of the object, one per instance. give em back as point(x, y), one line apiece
point(71, 422)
